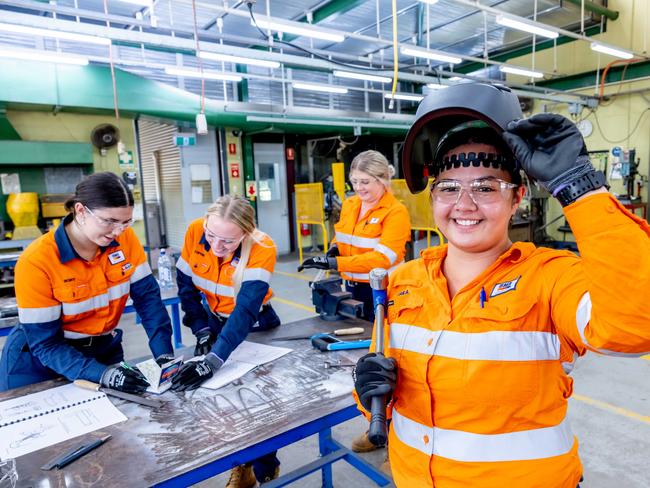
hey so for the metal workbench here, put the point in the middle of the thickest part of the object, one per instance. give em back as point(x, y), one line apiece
point(199, 434)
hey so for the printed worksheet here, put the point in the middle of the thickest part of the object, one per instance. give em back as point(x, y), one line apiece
point(245, 358)
point(38, 420)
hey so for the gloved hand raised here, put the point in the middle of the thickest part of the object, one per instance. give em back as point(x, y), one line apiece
point(193, 373)
point(374, 375)
point(550, 149)
point(124, 378)
point(204, 341)
point(319, 262)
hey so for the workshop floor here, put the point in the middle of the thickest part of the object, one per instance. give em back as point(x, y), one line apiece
point(609, 411)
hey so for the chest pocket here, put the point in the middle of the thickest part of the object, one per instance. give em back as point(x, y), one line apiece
point(75, 299)
point(503, 360)
point(116, 273)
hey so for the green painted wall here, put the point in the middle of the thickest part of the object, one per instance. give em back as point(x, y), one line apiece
point(67, 127)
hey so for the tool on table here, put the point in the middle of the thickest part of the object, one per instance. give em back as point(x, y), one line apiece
point(337, 332)
point(338, 364)
point(148, 402)
point(378, 283)
point(331, 302)
point(327, 342)
point(74, 454)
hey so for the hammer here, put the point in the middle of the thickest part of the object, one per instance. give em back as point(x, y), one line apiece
point(378, 282)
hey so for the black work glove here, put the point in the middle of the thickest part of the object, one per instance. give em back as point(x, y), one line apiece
point(332, 252)
point(164, 359)
point(193, 373)
point(128, 379)
point(204, 341)
point(550, 149)
point(374, 375)
point(319, 262)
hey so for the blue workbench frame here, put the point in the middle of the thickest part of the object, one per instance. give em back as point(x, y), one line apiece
point(330, 452)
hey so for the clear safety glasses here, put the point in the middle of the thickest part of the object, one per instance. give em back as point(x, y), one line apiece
point(214, 240)
point(110, 223)
point(482, 191)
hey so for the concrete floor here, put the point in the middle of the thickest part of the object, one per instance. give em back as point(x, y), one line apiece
point(609, 412)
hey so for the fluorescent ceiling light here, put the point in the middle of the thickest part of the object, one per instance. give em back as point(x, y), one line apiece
point(340, 123)
point(362, 76)
point(206, 75)
point(430, 2)
point(238, 59)
point(425, 53)
point(455, 78)
point(404, 96)
point(309, 31)
point(319, 88)
point(68, 36)
point(436, 86)
point(144, 3)
point(524, 25)
point(612, 51)
point(44, 56)
point(521, 71)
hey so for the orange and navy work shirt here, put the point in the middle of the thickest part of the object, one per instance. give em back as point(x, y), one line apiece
point(483, 386)
point(200, 274)
point(62, 296)
point(374, 240)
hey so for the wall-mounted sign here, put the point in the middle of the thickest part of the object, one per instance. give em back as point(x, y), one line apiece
point(232, 148)
point(185, 139)
point(234, 170)
point(291, 154)
point(251, 189)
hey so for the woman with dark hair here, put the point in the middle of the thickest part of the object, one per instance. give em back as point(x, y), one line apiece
point(71, 288)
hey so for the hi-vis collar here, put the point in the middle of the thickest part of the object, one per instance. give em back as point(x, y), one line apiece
point(505, 287)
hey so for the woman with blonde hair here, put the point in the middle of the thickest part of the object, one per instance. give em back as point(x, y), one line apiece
point(372, 231)
point(229, 262)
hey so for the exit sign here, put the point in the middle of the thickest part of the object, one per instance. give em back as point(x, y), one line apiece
point(184, 139)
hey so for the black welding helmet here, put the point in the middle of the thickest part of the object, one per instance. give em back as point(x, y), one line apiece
point(446, 116)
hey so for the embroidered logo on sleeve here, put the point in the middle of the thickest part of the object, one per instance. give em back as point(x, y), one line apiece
point(127, 266)
point(116, 257)
point(505, 287)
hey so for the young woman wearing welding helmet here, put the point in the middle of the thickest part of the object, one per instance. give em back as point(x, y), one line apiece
point(481, 332)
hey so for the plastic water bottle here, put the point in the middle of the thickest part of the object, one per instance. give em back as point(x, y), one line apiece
point(165, 277)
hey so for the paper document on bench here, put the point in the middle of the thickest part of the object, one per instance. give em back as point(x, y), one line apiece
point(246, 357)
point(38, 420)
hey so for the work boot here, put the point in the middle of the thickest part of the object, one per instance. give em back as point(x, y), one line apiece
point(363, 444)
point(242, 477)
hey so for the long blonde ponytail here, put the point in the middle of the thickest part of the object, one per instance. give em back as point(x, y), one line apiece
point(240, 212)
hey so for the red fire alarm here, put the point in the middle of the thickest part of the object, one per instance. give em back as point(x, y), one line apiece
point(232, 148)
point(234, 170)
point(290, 154)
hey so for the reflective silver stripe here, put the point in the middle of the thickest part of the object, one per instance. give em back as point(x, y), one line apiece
point(259, 274)
point(388, 252)
point(141, 271)
point(118, 291)
point(39, 315)
point(393, 268)
point(68, 334)
point(356, 241)
point(484, 346)
point(583, 316)
point(469, 447)
point(203, 283)
point(92, 303)
point(182, 266)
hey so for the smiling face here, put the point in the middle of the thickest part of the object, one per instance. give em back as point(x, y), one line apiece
point(477, 227)
point(103, 225)
point(223, 235)
point(367, 187)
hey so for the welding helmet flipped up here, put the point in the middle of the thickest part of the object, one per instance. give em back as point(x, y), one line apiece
point(473, 108)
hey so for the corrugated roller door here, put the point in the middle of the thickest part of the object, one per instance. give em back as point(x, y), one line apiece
point(161, 176)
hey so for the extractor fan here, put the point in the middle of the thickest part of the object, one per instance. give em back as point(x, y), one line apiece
point(104, 136)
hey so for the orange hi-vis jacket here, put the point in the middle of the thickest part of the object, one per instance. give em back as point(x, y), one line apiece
point(213, 276)
point(482, 387)
point(87, 296)
point(376, 240)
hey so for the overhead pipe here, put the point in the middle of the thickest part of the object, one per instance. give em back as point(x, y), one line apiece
point(596, 8)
